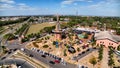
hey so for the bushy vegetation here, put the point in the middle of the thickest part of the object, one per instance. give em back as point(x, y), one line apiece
point(118, 48)
point(35, 44)
point(9, 36)
point(24, 39)
point(45, 46)
point(22, 29)
point(111, 22)
point(93, 61)
point(117, 31)
point(65, 54)
point(86, 36)
point(100, 51)
point(1, 28)
point(78, 49)
point(4, 49)
point(54, 42)
point(111, 55)
point(3, 23)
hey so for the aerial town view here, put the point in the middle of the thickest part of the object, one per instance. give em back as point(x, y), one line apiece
point(59, 34)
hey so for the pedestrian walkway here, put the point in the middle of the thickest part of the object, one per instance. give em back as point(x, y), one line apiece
point(104, 63)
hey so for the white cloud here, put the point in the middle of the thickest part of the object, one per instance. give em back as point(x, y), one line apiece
point(23, 6)
point(7, 1)
point(90, 1)
point(19, 6)
point(5, 6)
point(67, 2)
point(104, 4)
point(109, 8)
point(72, 1)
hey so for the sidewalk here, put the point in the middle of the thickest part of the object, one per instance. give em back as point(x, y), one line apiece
point(104, 63)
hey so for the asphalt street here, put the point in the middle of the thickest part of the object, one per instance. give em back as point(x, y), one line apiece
point(18, 62)
point(86, 53)
point(47, 59)
point(37, 56)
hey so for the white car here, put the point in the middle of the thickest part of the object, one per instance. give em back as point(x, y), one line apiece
point(22, 49)
point(19, 67)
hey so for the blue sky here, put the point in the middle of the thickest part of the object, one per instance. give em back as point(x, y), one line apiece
point(63, 7)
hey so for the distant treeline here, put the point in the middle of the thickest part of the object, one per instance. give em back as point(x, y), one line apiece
point(3, 23)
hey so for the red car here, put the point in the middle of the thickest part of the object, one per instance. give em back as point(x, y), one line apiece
point(57, 61)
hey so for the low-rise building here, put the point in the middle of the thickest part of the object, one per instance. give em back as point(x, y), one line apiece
point(107, 39)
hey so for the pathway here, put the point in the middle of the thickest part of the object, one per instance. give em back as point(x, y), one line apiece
point(104, 63)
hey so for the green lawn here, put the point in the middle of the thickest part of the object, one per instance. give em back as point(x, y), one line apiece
point(35, 28)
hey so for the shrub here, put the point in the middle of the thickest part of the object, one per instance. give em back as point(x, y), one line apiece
point(78, 49)
point(86, 36)
point(93, 61)
point(45, 46)
point(54, 42)
point(48, 37)
point(100, 51)
point(34, 43)
point(118, 48)
point(65, 53)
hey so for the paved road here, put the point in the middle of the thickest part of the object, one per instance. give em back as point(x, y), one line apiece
point(47, 59)
point(38, 57)
point(86, 53)
point(18, 62)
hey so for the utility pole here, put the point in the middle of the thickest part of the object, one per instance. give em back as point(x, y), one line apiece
point(76, 13)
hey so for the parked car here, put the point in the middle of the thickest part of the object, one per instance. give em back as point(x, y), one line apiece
point(9, 52)
point(38, 50)
point(82, 67)
point(83, 52)
point(3, 58)
point(79, 54)
point(22, 49)
point(43, 56)
point(57, 61)
point(94, 48)
point(88, 50)
point(31, 55)
point(64, 63)
point(51, 62)
point(14, 49)
point(19, 67)
point(50, 55)
point(33, 49)
point(74, 57)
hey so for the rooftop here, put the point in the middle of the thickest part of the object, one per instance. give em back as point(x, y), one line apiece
point(108, 35)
